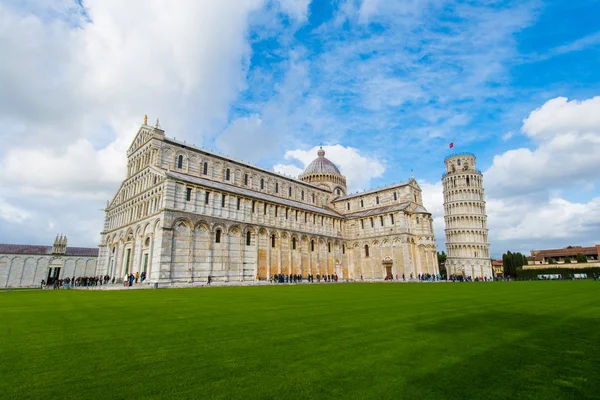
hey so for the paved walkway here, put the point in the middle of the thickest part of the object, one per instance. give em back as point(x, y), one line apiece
point(150, 285)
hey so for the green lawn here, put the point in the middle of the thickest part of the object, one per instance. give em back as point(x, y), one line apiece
point(517, 340)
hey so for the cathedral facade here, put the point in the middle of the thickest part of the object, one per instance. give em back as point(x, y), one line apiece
point(184, 213)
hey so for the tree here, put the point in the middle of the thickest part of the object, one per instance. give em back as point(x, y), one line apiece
point(442, 262)
point(551, 261)
point(581, 258)
point(512, 262)
point(567, 260)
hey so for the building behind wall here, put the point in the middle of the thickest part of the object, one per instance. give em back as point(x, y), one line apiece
point(556, 258)
point(27, 265)
point(184, 213)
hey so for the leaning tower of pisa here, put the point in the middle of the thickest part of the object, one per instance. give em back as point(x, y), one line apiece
point(467, 244)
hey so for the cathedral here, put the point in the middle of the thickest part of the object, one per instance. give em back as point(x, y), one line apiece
point(183, 214)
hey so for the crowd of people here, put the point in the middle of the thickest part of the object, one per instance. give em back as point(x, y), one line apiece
point(82, 281)
point(130, 279)
point(469, 278)
point(297, 278)
point(92, 281)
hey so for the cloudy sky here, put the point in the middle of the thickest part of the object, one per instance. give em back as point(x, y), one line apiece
point(384, 85)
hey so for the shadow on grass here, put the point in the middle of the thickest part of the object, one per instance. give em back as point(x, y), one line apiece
point(521, 356)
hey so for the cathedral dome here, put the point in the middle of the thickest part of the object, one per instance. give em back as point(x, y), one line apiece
point(321, 165)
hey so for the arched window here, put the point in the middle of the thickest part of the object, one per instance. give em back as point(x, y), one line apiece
point(312, 245)
point(248, 238)
point(293, 243)
point(303, 195)
point(227, 174)
point(329, 247)
point(377, 199)
point(180, 162)
point(246, 179)
point(366, 250)
point(417, 220)
point(395, 196)
point(348, 206)
point(338, 191)
point(262, 183)
point(362, 203)
point(205, 168)
point(313, 197)
point(290, 191)
point(276, 187)
point(343, 249)
point(458, 162)
point(218, 236)
point(273, 240)
point(468, 181)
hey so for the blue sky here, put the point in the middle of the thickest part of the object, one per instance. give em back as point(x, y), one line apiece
point(384, 85)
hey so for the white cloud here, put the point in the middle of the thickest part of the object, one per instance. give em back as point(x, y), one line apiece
point(358, 169)
point(287, 169)
point(556, 218)
point(567, 134)
point(75, 83)
point(433, 201)
point(508, 135)
point(12, 214)
point(248, 139)
point(296, 8)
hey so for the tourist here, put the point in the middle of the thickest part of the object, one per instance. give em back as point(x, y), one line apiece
point(137, 277)
point(209, 280)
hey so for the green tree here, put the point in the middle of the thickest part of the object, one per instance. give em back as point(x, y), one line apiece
point(442, 262)
point(551, 261)
point(581, 258)
point(567, 260)
point(508, 264)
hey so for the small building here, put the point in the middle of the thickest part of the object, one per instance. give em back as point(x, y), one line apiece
point(24, 265)
point(498, 268)
point(557, 258)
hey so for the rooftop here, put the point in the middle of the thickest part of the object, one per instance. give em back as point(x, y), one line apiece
point(43, 250)
point(321, 166)
point(571, 252)
point(370, 191)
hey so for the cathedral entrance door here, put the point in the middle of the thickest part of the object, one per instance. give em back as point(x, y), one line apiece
point(388, 271)
point(53, 275)
point(387, 264)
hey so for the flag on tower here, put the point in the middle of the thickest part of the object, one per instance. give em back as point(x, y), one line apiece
point(452, 145)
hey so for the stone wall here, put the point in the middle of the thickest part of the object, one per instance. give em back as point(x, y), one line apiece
point(23, 270)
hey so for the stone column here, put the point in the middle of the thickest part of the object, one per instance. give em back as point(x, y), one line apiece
point(242, 250)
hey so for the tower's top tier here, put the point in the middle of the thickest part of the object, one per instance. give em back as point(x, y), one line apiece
point(461, 162)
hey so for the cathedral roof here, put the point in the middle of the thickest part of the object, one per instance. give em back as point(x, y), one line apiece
point(41, 250)
point(321, 165)
point(387, 209)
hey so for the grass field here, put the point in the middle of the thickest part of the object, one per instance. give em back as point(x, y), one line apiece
point(517, 340)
